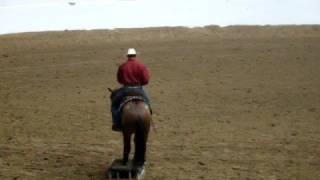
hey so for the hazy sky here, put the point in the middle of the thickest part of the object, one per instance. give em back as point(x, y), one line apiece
point(39, 15)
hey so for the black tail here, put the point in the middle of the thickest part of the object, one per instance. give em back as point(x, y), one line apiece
point(140, 142)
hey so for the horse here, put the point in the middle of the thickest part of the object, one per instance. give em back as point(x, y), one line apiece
point(135, 119)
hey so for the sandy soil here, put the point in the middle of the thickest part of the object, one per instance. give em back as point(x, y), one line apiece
point(230, 103)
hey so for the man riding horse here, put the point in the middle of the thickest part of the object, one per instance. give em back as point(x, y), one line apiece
point(132, 75)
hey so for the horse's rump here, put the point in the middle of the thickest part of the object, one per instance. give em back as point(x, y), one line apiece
point(134, 113)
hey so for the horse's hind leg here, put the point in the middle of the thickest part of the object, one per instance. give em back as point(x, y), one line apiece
point(140, 140)
point(126, 147)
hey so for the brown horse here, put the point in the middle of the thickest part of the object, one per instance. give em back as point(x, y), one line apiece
point(135, 119)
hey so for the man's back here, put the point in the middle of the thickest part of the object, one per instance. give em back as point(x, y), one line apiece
point(133, 73)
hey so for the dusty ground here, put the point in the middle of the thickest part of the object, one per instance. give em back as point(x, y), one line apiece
point(230, 103)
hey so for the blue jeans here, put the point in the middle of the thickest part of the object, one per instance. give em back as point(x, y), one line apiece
point(118, 96)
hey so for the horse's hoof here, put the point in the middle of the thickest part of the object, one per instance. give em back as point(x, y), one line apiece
point(140, 170)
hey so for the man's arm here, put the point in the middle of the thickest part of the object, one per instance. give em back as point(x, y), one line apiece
point(120, 75)
point(145, 76)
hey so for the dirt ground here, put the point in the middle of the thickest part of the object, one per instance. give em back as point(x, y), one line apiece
point(229, 103)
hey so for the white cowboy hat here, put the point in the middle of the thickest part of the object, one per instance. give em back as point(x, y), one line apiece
point(132, 51)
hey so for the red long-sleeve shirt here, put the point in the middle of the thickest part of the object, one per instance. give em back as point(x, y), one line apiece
point(133, 73)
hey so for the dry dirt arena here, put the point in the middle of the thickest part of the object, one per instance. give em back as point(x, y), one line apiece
point(229, 103)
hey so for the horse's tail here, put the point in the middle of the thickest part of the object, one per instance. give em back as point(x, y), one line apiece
point(140, 124)
point(141, 136)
